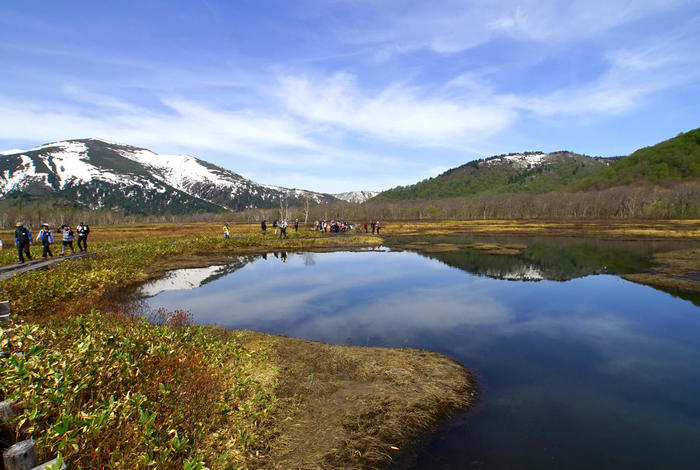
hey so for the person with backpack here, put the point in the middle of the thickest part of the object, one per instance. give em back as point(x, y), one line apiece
point(263, 227)
point(68, 238)
point(23, 239)
point(296, 225)
point(46, 238)
point(283, 229)
point(83, 231)
point(226, 232)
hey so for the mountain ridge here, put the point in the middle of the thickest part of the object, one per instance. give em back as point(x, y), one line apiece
point(100, 174)
point(533, 172)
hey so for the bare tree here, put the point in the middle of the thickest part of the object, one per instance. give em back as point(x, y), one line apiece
point(307, 204)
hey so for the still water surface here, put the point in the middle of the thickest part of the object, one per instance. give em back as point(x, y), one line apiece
point(591, 372)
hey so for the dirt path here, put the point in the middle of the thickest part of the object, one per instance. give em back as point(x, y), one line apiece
point(7, 272)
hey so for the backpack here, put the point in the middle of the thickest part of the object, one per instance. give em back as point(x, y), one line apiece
point(22, 235)
point(45, 236)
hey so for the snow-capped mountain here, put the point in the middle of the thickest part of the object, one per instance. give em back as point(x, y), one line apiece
point(102, 174)
point(356, 196)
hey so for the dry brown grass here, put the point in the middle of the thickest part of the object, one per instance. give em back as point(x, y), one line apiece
point(352, 408)
point(426, 247)
point(685, 228)
point(635, 229)
point(496, 249)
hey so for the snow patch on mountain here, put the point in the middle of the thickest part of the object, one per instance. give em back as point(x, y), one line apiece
point(179, 171)
point(11, 151)
point(520, 160)
point(20, 179)
point(72, 166)
point(356, 196)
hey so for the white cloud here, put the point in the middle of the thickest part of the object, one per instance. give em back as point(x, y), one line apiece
point(396, 113)
point(184, 124)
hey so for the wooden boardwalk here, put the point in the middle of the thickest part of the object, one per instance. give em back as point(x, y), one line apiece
point(9, 271)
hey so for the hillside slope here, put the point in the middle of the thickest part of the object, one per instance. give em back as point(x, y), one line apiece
point(669, 161)
point(532, 172)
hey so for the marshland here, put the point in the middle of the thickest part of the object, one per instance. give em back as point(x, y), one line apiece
point(436, 345)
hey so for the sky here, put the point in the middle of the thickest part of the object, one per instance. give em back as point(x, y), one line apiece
point(341, 95)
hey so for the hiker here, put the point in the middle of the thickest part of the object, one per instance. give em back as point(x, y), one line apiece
point(373, 226)
point(366, 227)
point(83, 232)
point(226, 232)
point(274, 225)
point(68, 238)
point(378, 227)
point(23, 239)
point(296, 225)
point(283, 229)
point(263, 226)
point(46, 238)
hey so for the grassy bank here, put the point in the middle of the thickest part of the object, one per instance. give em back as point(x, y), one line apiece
point(103, 387)
point(676, 271)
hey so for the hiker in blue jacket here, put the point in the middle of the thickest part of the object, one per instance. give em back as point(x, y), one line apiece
point(23, 239)
point(46, 238)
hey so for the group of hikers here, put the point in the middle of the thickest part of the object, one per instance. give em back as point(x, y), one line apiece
point(281, 225)
point(23, 239)
point(332, 226)
point(319, 226)
point(344, 226)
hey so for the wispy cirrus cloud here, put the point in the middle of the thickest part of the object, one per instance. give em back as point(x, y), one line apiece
point(452, 26)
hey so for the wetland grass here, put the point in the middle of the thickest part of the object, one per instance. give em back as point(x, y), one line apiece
point(101, 386)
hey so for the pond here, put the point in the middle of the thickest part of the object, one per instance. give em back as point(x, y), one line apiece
point(576, 367)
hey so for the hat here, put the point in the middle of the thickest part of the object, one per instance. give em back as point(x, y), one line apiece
point(44, 224)
point(18, 224)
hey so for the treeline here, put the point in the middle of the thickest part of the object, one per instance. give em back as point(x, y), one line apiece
point(35, 215)
point(680, 201)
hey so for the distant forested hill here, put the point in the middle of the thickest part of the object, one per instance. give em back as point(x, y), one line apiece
point(672, 160)
point(530, 172)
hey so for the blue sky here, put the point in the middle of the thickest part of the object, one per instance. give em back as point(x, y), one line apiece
point(342, 95)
